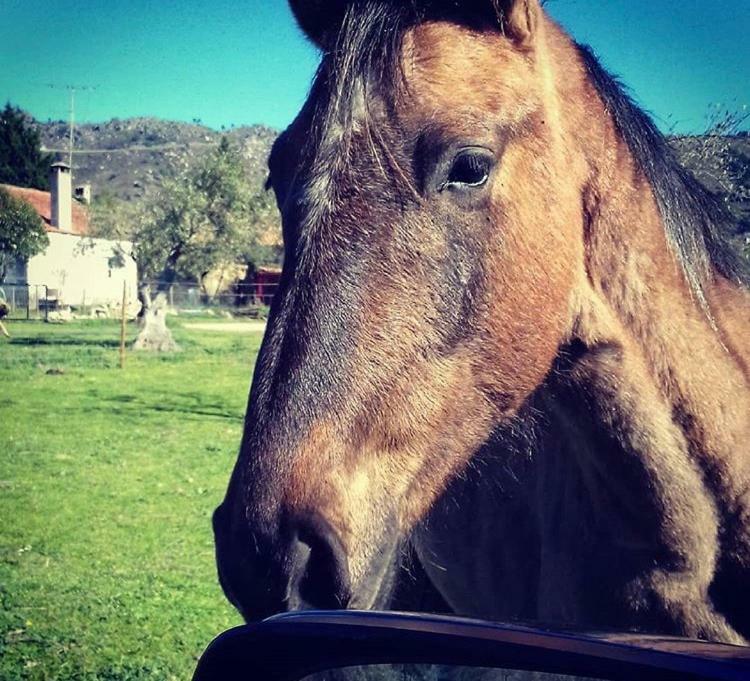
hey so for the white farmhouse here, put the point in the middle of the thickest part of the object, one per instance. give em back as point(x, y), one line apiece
point(78, 269)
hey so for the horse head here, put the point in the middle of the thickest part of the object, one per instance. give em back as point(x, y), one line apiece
point(432, 227)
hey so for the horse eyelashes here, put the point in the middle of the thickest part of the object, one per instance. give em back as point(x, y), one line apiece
point(469, 169)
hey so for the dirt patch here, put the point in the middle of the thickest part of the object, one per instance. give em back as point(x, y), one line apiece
point(227, 327)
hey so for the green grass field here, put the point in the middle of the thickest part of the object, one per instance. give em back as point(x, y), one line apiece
point(108, 479)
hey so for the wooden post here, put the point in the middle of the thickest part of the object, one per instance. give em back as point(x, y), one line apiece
point(122, 325)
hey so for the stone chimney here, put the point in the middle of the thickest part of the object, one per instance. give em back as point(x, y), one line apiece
point(61, 213)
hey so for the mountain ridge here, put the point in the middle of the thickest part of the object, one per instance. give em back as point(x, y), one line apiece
point(129, 158)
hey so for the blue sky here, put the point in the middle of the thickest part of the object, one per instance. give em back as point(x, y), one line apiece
point(238, 62)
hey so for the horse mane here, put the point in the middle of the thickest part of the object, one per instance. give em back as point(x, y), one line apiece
point(368, 52)
point(696, 220)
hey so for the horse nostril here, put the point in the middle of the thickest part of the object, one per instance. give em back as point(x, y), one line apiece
point(322, 581)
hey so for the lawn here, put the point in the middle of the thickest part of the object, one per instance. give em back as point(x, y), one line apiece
point(108, 479)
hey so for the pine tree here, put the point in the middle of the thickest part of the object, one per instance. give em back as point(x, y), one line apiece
point(22, 163)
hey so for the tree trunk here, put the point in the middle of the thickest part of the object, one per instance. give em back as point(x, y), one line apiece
point(154, 334)
point(4, 266)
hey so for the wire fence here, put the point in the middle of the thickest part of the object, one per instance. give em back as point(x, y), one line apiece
point(27, 301)
point(239, 298)
point(38, 302)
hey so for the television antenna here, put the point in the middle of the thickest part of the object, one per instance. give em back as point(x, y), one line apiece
point(72, 89)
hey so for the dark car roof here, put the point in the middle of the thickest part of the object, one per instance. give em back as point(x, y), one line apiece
point(321, 639)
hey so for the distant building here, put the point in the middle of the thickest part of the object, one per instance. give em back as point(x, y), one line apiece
point(82, 193)
point(81, 270)
point(266, 282)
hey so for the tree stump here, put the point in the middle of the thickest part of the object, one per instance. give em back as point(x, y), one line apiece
point(154, 335)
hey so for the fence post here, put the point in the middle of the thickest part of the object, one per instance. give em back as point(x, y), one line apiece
point(46, 303)
point(171, 296)
point(122, 325)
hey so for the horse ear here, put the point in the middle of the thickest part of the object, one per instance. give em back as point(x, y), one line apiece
point(320, 20)
point(520, 19)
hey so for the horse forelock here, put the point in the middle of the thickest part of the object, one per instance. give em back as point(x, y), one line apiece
point(359, 86)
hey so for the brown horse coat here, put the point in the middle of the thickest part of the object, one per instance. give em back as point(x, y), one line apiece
point(507, 334)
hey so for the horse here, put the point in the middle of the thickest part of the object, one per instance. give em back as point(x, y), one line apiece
point(507, 367)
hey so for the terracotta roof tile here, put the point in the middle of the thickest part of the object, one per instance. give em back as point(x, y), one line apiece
point(42, 204)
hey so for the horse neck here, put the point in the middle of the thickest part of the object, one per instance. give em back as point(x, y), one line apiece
point(630, 262)
point(633, 292)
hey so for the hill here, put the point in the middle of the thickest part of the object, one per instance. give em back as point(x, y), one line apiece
point(129, 158)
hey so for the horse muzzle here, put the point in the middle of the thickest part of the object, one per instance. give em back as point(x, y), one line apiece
point(302, 565)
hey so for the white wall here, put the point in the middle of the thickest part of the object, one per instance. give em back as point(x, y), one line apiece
point(79, 268)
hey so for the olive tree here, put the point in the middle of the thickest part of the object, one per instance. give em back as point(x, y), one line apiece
point(201, 218)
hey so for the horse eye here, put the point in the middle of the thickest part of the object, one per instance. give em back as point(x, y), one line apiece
point(469, 169)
